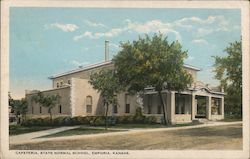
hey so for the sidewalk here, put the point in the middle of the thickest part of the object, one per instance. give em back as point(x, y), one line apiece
point(33, 137)
point(27, 137)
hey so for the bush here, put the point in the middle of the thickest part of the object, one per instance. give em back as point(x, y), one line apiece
point(80, 120)
point(151, 120)
point(97, 121)
point(91, 120)
point(122, 119)
point(37, 122)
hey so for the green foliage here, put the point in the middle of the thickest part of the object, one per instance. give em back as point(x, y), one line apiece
point(89, 120)
point(97, 121)
point(20, 107)
point(138, 111)
point(152, 62)
point(80, 120)
point(106, 82)
point(48, 101)
point(228, 70)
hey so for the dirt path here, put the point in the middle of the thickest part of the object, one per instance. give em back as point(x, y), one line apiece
point(33, 137)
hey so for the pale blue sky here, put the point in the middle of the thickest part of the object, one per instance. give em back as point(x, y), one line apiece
point(48, 41)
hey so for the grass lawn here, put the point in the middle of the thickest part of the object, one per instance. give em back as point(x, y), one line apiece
point(17, 129)
point(80, 131)
point(228, 137)
point(84, 130)
point(132, 126)
point(231, 119)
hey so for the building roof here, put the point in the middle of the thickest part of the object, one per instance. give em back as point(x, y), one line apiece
point(102, 64)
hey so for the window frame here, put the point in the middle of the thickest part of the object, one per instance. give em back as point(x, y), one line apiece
point(127, 103)
point(89, 105)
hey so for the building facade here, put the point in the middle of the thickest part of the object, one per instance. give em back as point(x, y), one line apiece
point(78, 98)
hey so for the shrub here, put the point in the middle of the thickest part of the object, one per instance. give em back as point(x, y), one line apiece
point(80, 120)
point(151, 120)
point(97, 121)
point(58, 121)
point(139, 119)
point(67, 121)
point(91, 120)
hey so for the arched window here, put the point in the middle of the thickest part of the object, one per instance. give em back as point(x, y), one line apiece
point(89, 104)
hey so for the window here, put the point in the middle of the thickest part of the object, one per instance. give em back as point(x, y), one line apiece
point(32, 110)
point(40, 110)
point(149, 103)
point(57, 85)
point(89, 104)
point(60, 109)
point(89, 108)
point(61, 84)
point(179, 104)
point(216, 106)
point(115, 108)
point(127, 103)
point(68, 81)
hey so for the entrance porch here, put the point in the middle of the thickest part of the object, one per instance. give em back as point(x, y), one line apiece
point(186, 106)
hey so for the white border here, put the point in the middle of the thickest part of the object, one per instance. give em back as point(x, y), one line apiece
point(4, 83)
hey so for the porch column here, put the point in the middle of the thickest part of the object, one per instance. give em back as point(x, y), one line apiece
point(222, 107)
point(193, 106)
point(172, 106)
point(208, 107)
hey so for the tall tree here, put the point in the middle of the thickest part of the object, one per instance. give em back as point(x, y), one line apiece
point(152, 62)
point(106, 82)
point(20, 107)
point(228, 70)
point(48, 101)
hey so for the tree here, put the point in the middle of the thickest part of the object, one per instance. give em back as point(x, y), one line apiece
point(48, 101)
point(20, 107)
point(228, 70)
point(152, 62)
point(106, 82)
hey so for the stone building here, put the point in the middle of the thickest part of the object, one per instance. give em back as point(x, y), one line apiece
point(78, 98)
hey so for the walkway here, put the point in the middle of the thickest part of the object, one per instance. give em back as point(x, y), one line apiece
point(29, 137)
point(33, 137)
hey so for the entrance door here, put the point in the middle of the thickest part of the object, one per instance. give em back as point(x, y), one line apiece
point(201, 107)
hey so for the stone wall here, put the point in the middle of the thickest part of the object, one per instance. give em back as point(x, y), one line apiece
point(64, 93)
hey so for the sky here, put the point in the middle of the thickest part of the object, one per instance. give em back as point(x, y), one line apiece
point(48, 41)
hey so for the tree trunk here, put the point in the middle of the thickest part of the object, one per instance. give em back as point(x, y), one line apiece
point(106, 116)
point(163, 107)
